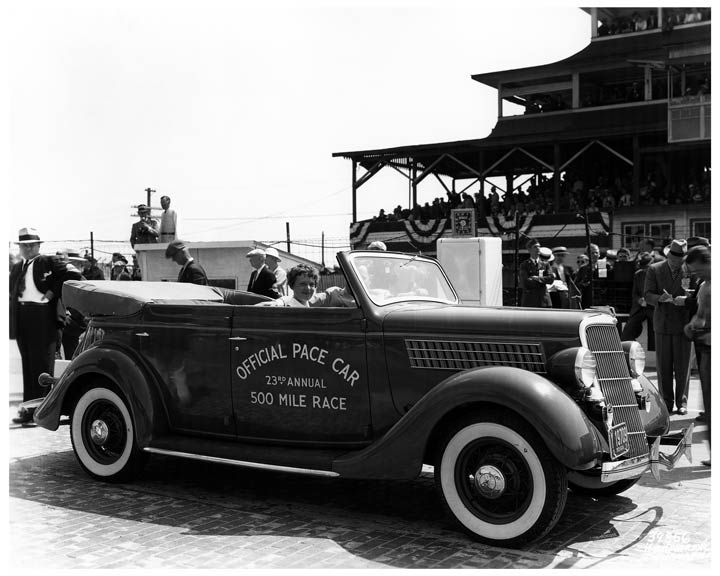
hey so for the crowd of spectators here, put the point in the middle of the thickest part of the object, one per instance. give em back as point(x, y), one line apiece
point(648, 20)
point(606, 194)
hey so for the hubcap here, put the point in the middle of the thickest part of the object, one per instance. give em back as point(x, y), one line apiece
point(99, 432)
point(490, 482)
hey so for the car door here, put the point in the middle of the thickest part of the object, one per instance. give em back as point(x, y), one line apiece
point(299, 374)
point(187, 347)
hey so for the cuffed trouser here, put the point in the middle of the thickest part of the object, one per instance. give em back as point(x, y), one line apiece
point(672, 355)
point(702, 353)
point(634, 327)
point(36, 332)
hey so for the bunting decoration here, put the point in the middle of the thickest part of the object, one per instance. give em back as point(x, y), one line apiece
point(425, 232)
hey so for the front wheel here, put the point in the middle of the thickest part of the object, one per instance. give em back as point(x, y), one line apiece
point(103, 436)
point(499, 480)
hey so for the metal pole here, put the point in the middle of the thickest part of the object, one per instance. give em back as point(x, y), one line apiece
point(287, 233)
point(516, 258)
point(322, 248)
point(590, 262)
point(92, 245)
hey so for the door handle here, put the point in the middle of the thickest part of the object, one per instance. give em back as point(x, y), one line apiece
point(142, 334)
point(238, 338)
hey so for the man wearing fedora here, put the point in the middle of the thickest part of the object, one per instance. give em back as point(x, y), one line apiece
point(534, 276)
point(261, 279)
point(119, 269)
point(91, 271)
point(272, 261)
point(190, 272)
point(664, 291)
point(35, 287)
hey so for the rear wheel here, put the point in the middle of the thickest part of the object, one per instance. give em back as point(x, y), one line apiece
point(499, 480)
point(103, 436)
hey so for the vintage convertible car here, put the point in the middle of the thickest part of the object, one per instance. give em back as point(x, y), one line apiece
point(510, 405)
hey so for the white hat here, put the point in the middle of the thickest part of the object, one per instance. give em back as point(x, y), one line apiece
point(546, 254)
point(377, 245)
point(256, 252)
point(28, 236)
point(273, 252)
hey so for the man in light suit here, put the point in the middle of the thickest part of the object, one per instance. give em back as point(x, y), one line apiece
point(191, 272)
point(261, 279)
point(664, 291)
point(563, 278)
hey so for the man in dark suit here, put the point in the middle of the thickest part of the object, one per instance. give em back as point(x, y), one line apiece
point(261, 279)
point(640, 311)
point(145, 230)
point(584, 275)
point(190, 272)
point(664, 291)
point(534, 277)
point(35, 287)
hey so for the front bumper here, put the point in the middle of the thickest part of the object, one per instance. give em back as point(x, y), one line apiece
point(655, 460)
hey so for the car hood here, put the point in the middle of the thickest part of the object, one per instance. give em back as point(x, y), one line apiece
point(465, 320)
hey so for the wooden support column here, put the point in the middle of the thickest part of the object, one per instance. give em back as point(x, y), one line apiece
point(556, 177)
point(636, 170)
point(509, 184)
point(354, 191)
point(413, 178)
point(481, 168)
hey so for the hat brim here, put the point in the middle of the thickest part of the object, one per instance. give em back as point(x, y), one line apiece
point(29, 242)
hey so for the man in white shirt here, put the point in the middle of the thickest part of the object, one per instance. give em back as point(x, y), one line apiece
point(168, 221)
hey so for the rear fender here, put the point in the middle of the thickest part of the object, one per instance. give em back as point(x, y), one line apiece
point(569, 435)
point(124, 371)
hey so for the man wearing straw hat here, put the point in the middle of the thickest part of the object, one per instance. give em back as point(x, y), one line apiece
point(664, 291)
point(35, 286)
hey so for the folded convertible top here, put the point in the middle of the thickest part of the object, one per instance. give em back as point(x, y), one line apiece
point(114, 298)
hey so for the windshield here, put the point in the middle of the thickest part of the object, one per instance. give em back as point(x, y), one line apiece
point(389, 278)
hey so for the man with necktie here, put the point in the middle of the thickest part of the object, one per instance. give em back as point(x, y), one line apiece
point(534, 276)
point(262, 279)
point(190, 271)
point(664, 291)
point(35, 287)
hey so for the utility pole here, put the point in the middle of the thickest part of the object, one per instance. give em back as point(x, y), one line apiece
point(287, 233)
point(150, 192)
point(322, 249)
point(92, 245)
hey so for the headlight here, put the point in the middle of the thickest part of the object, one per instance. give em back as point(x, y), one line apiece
point(635, 356)
point(585, 367)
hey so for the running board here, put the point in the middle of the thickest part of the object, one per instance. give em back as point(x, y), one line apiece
point(219, 460)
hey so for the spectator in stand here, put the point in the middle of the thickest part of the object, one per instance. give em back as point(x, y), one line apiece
point(168, 221)
point(381, 217)
point(640, 310)
point(145, 230)
point(190, 271)
point(398, 212)
point(261, 280)
point(693, 15)
point(467, 201)
point(119, 269)
point(91, 271)
point(625, 200)
point(272, 259)
point(664, 291)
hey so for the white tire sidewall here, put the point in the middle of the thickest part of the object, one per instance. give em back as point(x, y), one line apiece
point(447, 480)
point(76, 430)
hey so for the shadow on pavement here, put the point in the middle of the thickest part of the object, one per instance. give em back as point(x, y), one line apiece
point(396, 523)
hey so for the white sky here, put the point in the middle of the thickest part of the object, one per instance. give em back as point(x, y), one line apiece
point(234, 108)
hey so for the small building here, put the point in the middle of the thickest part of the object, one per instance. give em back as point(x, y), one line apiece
point(225, 263)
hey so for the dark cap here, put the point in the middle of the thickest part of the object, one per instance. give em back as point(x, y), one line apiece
point(173, 248)
point(119, 258)
point(531, 242)
point(142, 209)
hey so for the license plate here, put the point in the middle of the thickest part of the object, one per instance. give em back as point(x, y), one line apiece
point(619, 441)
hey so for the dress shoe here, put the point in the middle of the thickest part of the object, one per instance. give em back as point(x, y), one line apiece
point(705, 462)
point(23, 417)
point(700, 417)
point(682, 411)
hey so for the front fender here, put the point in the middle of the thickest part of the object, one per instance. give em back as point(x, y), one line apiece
point(567, 432)
point(119, 367)
point(655, 418)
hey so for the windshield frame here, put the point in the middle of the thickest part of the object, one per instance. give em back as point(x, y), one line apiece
point(355, 261)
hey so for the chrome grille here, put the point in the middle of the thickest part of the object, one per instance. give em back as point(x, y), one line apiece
point(461, 355)
point(614, 378)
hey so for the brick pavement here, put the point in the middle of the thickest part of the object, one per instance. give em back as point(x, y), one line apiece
point(186, 514)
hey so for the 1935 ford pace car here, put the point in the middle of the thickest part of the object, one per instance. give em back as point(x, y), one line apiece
point(510, 406)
